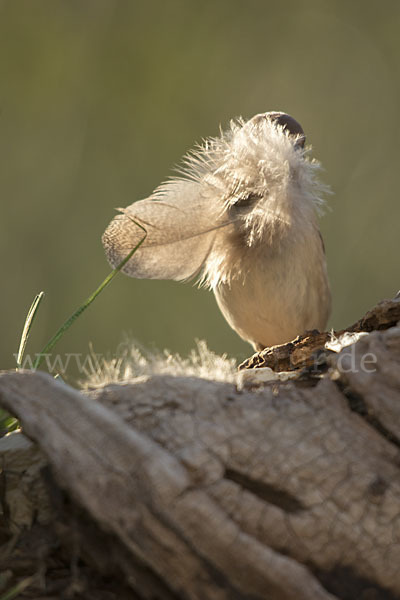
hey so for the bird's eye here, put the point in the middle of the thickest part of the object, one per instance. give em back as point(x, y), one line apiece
point(247, 201)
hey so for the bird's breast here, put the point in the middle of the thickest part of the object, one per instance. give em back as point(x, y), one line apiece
point(278, 295)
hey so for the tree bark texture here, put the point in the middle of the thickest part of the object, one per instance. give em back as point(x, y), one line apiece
point(182, 488)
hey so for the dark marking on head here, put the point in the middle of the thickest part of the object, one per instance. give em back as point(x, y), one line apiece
point(288, 123)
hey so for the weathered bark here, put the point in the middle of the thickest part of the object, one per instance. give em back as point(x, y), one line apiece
point(300, 352)
point(195, 489)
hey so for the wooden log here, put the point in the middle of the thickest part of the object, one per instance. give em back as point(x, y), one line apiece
point(180, 487)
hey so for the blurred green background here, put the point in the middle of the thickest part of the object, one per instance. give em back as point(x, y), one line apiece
point(99, 99)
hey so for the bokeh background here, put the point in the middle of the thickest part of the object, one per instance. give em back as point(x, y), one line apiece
point(99, 99)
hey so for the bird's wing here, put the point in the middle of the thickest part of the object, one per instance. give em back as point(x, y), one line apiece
point(181, 226)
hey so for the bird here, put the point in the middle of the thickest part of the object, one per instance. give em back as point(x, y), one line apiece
point(241, 216)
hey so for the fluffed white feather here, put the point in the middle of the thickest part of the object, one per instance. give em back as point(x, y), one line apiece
point(255, 159)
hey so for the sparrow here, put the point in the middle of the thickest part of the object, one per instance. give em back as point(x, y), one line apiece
point(241, 216)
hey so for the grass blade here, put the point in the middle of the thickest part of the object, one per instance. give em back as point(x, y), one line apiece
point(27, 327)
point(17, 589)
point(67, 324)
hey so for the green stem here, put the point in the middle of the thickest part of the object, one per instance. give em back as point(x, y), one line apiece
point(53, 341)
point(17, 589)
point(27, 327)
